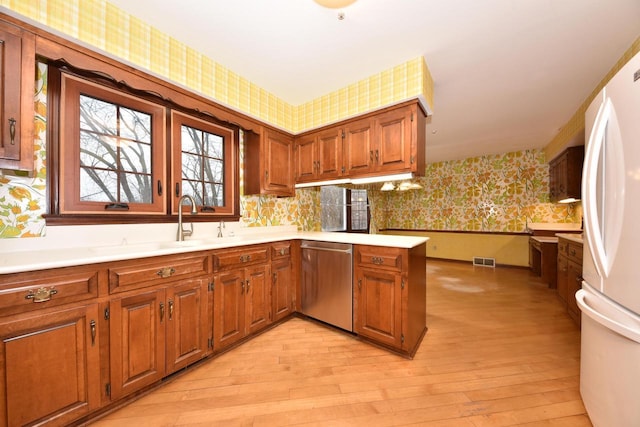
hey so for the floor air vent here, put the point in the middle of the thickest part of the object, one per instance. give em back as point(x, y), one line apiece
point(484, 262)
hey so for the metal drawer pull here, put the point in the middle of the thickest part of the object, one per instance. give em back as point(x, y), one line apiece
point(377, 260)
point(166, 272)
point(245, 258)
point(170, 310)
point(92, 324)
point(12, 131)
point(41, 295)
point(283, 251)
point(161, 312)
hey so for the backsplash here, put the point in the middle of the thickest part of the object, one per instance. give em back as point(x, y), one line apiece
point(23, 199)
point(499, 193)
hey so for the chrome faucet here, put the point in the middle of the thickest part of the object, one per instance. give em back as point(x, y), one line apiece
point(220, 227)
point(182, 233)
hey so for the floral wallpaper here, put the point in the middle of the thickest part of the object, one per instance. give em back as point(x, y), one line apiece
point(23, 198)
point(499, 193)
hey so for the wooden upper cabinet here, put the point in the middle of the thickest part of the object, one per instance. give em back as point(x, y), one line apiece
point(318, 156)
point(388, 141)
point(17, 85)
point(394, 137)
point(358, 146)
point(268, 163)
point(565, 174)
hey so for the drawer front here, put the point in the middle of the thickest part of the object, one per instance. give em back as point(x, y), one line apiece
point(48, 288)
point(379, 257)
point(136, 274)
point(574, 250)
point(280, 250)
point(230, 259)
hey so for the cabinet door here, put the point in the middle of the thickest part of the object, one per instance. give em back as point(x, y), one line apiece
point(358, 148)
point(394, 134)
point(378, 306)
point(228, 309)
point(278, 164)
point(257, 298)
point(137, 338)
point(329, 144)
point(49, 367)
point(187, 322)
point(282, 294)
point(574, 282)
point(563, 279)
point(17, 65)
point(306, 158)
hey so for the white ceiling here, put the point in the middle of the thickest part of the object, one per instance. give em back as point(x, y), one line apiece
point(507, 73)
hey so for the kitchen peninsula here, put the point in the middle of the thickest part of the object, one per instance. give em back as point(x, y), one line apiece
point(115, 314)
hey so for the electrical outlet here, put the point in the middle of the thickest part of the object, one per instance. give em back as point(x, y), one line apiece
point(434, 247)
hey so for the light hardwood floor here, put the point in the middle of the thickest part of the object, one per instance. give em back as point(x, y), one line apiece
point(500, 351)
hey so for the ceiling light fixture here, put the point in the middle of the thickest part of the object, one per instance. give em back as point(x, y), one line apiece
point(335, 4)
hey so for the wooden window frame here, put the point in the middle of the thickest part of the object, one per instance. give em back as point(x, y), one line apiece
point(63, 168)
point(72, 87)
point(231, 154)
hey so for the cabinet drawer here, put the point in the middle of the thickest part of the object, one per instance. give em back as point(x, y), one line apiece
point(574, 251)
point(41, 289)
point(136, 274)
point(379, 257)
point(280, 250)
point(230, 259)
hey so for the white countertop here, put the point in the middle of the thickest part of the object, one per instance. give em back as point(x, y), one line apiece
point(102, 244)
point(554, 226)
point(574, 237)
point(545, 239)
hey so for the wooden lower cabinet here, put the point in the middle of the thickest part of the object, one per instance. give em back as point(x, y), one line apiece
point(156, 332)
point(50, 367)
point(378, 306)
point(283, 289)
point(242, 301)
point(389, 296)
point(569, 275)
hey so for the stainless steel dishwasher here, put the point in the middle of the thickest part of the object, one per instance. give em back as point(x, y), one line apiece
point(327, 282)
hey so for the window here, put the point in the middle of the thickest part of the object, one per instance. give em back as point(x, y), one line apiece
point(344, 209)
point(203, 159)
point(115, 159)
point(111, 149)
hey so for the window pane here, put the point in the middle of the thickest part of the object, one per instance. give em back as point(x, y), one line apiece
point(214, 195)
point(213, 145)
point(191, 168)
point(135, 125)
point(135, 188)
point(97, 151)
point(333, 208)
point(98, 185)
point(194, 189)
point(135, 157)
point(191, 142)
point(98, 116)
point(359, 209)
point(213, 170)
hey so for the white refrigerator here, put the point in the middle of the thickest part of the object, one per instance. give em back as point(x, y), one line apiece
point(610, 294)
